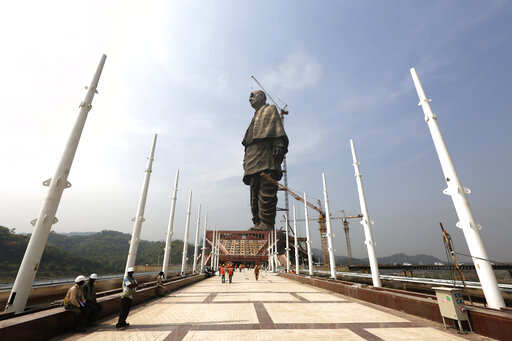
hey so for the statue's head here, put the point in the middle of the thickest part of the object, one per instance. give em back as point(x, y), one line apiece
point(257, 99)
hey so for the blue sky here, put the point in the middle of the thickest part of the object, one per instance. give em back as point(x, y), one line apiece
point(182, 70)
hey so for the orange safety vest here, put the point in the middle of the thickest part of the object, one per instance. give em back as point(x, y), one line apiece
point(222, 270)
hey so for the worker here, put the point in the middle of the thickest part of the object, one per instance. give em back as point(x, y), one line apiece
point(223, 273)
point(129, 288)
point(160, 284)
point(89, 291)
point(75, 302)
point(256, 272)
point(230, 273)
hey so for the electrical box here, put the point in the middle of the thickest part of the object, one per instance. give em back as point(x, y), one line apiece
point(451, 305)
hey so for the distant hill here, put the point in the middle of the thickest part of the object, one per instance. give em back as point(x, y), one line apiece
point(70, 254)
point(397, 258)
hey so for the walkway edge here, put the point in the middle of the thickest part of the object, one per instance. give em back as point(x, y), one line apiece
point(486, 322)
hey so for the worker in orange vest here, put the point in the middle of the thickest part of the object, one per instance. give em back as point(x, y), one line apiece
point(223, 273)
point(256, 271)
point(230, 273)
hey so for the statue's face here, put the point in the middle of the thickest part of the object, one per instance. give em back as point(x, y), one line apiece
point(257, 99)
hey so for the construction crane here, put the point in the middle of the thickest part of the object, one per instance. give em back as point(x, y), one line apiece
point(318, 208)
point(345, 220)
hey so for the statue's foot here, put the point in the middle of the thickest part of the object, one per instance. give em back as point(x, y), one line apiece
point(257, 227)
point(262, 227)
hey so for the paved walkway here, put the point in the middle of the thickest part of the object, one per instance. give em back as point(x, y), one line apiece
point(272, 308)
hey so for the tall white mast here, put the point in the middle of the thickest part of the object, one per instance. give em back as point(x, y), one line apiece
point(365, 221)
point(332, 261)
point(139, 217)
point(197, 239)
point(287, 247)
point(204, 241)
point(30, 263)
point(310, 256)
point(296, 244)
point(270, 251)
point(170, 227)
point(185, 237)
point(458, 193)
point(275, 248)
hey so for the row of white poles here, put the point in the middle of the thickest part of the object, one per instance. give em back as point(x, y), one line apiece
point(365, 221)
point(454, 189)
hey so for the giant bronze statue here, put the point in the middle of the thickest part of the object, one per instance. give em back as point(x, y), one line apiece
point(265, 145)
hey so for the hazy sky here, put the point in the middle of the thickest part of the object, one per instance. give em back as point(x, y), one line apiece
point(182, 70)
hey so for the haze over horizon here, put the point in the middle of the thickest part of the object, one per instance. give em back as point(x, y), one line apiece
point(183, 71)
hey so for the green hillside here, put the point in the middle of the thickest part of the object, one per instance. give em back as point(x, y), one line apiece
point(68, 255)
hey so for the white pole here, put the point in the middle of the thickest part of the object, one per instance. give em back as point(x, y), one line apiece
point(296, 244)
point(216, 254)
point(204, 241)
point(458, 193)
point(30, 263)
point(170, 227)
point(139, 217)
point(332, 261)
point(197, 239)
point(185, 237)
point(365, 221)
point(218, 248)
point(287, 247)
point(275, 249)
point(214, 249)
point(270, 263)
point(212, 262)
point(308, 242)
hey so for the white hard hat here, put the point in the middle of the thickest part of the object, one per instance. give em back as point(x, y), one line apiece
point(130, 269)
point(80, 279)
point(93, 276)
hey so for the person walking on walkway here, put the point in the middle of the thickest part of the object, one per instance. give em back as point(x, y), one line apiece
point(89, 291)
point(256, 272)
point(75, 302)
point(230, 273)
point(129, 288)
point(223, 273)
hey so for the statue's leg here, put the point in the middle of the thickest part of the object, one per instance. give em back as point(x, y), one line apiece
point(267, 202)
point(255, 188)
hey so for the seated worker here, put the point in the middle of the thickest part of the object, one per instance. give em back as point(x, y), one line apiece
point(89, 291)
point(75, 302)
point(160, 284)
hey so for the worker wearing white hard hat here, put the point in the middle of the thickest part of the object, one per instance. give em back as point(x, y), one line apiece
point(89, 290)
point(75, 302)
point(129, 289)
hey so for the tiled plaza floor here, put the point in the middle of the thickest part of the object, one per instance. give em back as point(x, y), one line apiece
point(273, 308)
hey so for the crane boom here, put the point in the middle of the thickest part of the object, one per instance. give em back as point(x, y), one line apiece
point(293, 194)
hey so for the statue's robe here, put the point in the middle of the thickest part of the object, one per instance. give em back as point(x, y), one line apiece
point(265, 145)
point(264, 135)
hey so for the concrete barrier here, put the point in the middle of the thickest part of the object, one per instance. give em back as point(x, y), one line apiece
point(49, 323)
point(47, 294)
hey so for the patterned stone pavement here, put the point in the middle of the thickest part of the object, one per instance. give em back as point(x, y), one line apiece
point(268, 309)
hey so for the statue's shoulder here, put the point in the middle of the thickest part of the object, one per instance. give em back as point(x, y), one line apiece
point(270, 109)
